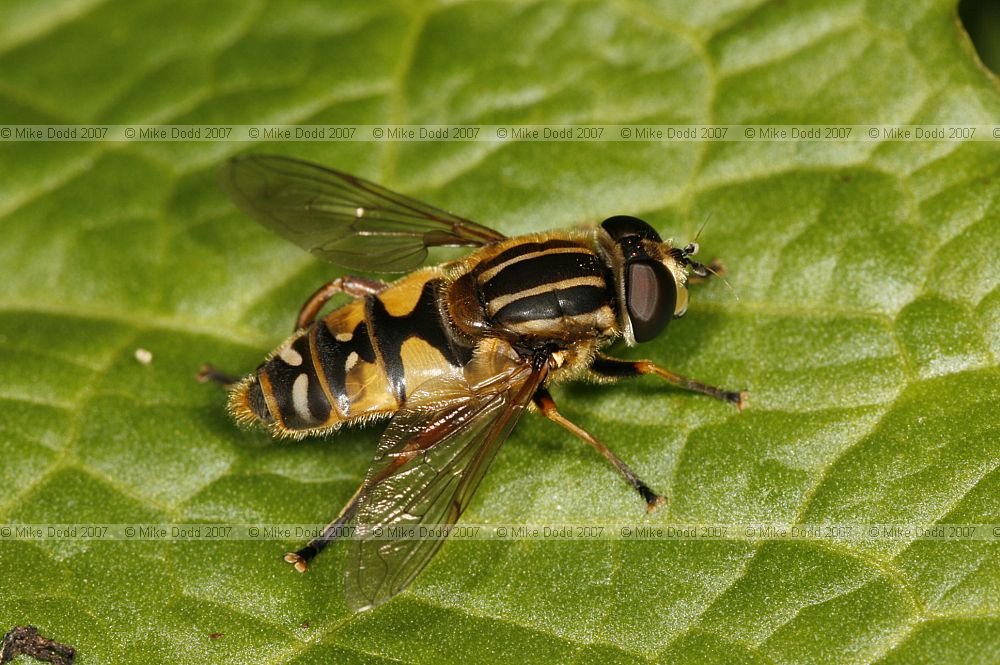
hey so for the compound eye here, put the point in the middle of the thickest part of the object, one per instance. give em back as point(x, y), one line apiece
point(624, 226)
point(650, 298)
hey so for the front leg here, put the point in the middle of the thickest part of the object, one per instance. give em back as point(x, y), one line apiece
point(615, 368)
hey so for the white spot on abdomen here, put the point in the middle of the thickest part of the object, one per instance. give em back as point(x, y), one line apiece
point(292, 357)
point(343, 337)
point(300, 396)
point(352, 360)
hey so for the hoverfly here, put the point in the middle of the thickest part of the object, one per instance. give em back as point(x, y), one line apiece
point(453, 354)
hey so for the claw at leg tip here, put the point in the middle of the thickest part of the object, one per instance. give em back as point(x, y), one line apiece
point(652, 504)
point(297, 561)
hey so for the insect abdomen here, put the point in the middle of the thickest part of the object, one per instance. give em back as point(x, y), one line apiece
point(361, 360)
point(302, 385)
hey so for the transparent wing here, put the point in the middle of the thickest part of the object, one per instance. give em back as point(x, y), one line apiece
point(344, 219)
point(427, 466)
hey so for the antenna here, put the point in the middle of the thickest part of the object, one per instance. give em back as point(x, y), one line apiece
point(708, 216)
point(724, 280)
point(701, 269)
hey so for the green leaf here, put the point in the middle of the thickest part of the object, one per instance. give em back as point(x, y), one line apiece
point(866, 327)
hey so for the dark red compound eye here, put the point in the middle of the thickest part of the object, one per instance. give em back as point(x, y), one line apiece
point(650, 297)
point(650, 289)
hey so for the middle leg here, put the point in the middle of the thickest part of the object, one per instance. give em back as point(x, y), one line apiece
point(547, 407)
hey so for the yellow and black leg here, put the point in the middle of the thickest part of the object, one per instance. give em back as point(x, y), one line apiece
point(547, 407)
point(614, 368)
point(356, 287)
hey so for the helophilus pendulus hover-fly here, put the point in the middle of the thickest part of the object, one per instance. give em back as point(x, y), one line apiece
point(452, 354)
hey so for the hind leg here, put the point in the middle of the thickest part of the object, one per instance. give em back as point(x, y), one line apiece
point(211, 373)
point(356, 287)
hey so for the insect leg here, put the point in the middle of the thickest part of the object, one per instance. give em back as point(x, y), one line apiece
point(616, 368)
point(547, 407)
point(301, 558)
point(356, 287)
point(215, 375)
